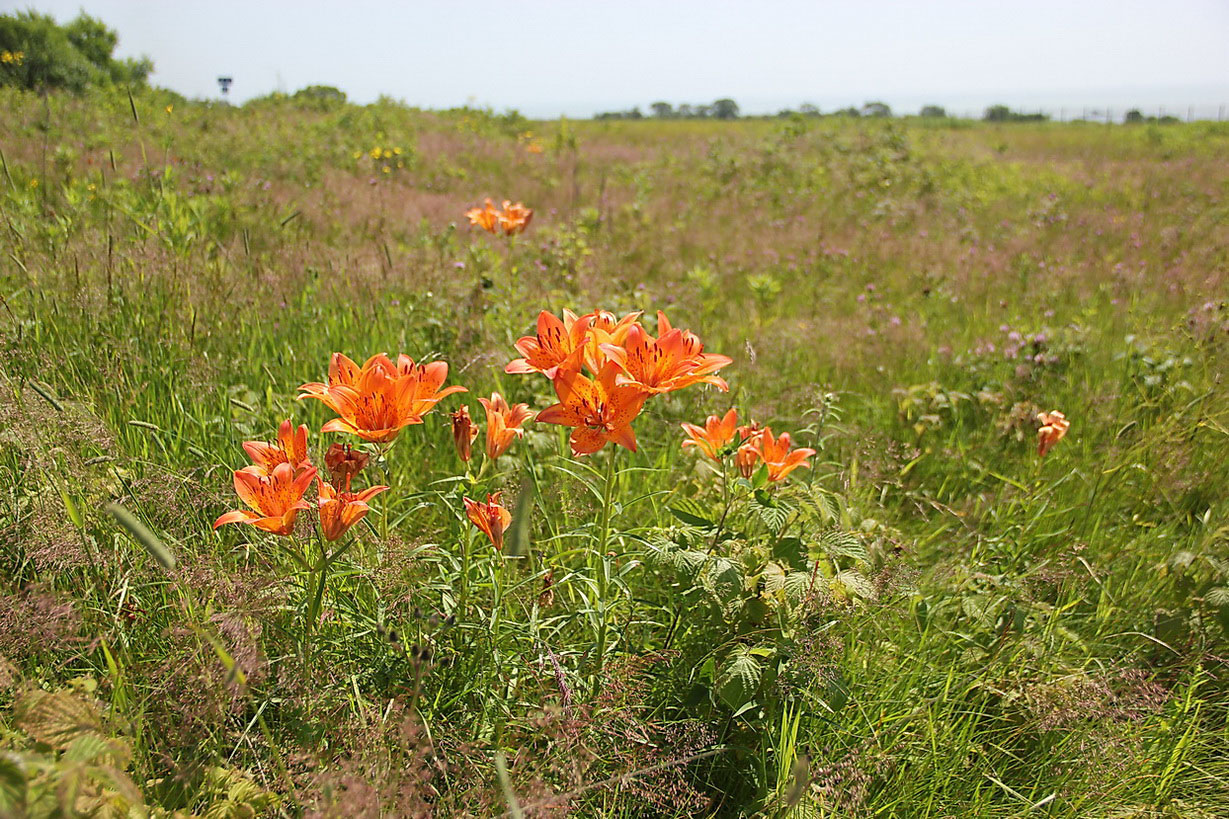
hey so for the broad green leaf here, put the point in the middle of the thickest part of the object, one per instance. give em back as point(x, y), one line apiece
point(12, 786)
point(58, 718)
point(738, 677)
point(723, 579)
point(790, 551)
point(856, 584)
point(840, 543)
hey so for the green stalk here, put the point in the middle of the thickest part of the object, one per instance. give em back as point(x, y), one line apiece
point(603, 575)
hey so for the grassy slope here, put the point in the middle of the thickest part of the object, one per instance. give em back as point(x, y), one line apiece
point(1042, 634)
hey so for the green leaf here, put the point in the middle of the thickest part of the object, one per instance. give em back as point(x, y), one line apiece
point(516, 542)
point(96, 750)
point(774, 512)
point(691, 518)
point(686, 563)
point(1218, 596)
point(820, 506)
point(723, 580)
point(855, 584)
point(73, 514)
point(738, 677)
point(57, 719)
point(142, 535)
point(12, 786)
point(797, 585)
point(790, 551)
point(840, 543)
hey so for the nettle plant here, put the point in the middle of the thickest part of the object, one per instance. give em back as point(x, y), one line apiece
point(768, 566)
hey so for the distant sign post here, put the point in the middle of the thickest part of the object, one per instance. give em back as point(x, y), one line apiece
point(224, 84)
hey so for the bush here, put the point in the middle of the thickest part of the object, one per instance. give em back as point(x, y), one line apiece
point(45, 55)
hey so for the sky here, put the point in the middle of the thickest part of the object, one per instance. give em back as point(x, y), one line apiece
point(547, 58)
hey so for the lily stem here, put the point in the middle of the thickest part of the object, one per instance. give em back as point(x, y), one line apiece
point(603, 574)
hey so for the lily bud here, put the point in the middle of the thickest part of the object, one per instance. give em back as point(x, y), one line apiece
point(463, 433)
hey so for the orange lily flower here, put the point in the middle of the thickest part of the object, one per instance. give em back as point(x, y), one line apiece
point(745, 458)
point(503, 423)
point(485, 217)
point(604, 327)
point(344, 462)
point(275, 496)
point(490, 517)
point(555, 341)
point(607, 322)
point(463, 433)
point(672, 361)
point(514, 218)
point(1054, 426)
point(378, 399)
point(713, 437)
point(775, 452)
point(600, 409)
point(341, 510)
point(291, 448)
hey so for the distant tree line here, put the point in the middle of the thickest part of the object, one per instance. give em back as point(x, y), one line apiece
point(1136, 117)
point(1001, 113)
point(37, 53)
point(724, 108)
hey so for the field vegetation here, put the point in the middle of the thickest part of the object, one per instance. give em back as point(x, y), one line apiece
point(924, 618)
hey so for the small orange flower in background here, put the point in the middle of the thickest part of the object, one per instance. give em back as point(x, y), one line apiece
point(276, 497)
point(344, 462)
point(463, 433)
point(1054, 426)
point(490, 517)
point(714, 435)
point(514, 218)
point(745, 458)
point(775, 452)
point(672, 361)
point(376, 400)
point(504, 423)
point(600, 409)
point(291, 448)
point(555, 341)
point(511, 219)
point(485, 217)
point(341, 510)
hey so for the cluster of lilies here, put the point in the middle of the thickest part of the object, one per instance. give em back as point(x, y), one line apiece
point(280, 475)
point(375, 402)
point(750, 445)
point(603, 369)
point(511, 219)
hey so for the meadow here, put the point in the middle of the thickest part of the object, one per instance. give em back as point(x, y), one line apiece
point(926, 618)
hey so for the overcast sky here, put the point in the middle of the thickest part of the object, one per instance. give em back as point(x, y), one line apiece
point(574, 57)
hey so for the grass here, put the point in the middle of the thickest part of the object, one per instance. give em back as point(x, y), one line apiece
point(929, 621)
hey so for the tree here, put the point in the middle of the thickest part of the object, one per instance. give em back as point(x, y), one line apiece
point(72, 57)
point(997, 113)
point(937, 111)
point(1133, 116)
point(662, 110)
point(725, 108)
point(876, 109)
point(808, 109)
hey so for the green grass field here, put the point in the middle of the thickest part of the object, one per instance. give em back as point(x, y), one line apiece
point(929, 620)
